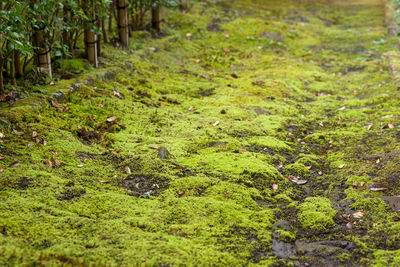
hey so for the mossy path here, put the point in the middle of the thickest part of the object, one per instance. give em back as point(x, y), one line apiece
point(252, 132)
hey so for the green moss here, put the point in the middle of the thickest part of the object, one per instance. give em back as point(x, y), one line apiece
point(316, 213)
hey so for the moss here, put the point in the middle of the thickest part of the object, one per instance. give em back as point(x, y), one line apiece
point(316, 213)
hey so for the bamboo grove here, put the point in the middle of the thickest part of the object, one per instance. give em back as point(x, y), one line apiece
point(35, 32)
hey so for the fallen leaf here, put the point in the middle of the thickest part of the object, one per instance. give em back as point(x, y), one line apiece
point(188, 35)
point(226, 35)
point(14, 164)
point(377, 187)
point(80, 166)
point(358, 214)
point(112, 118)
point(54, 152)
point(30, 145)
point(342, 108)
point(57, 162)
point(309, 167)
point(37, 140)
point(100, 105)
point(127, 169)
point(154, 147)
point(296, 180)
point(341, 166)
point(197, 60)
point(104, 181)
point(387, 125)
point(48, 163)
point(1, 135)
point(34, 134)
point(349, 225)
point(274, 187)
point(368, 127)
point(55, 105)
point(321, 124)
point(190, 108)
point(202, 163)
point(387, 116)
point(1, 157)
point(215, 123)
point(181, 193)
point(45, 143)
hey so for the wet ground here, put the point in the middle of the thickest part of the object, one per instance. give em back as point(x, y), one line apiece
point(249, 133)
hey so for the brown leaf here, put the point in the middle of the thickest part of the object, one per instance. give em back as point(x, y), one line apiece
point(104, 181)
point(127, 169)
point(368, 127)
point(37, 140)
point(100, 105)
point(358, 214)
point(54, 152)
point(154, 147)
point(181, 193)
point(48, 163)
point(1, 157)
point(387, 116)
point(34, 134)
point(55, 105)
point(202, 163)
point(274, 187)
point(112, 118)
point(215, 123)
point(341, 166)
point(57, 162)
point(296, 180)
point(387, 125)
point(342, 108)
point(1, 170)
point(377, 187)
point(349, 225)
point(188, 35)
point(45, 143)
point(14, 164)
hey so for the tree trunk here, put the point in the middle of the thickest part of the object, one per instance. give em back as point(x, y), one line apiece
point(1, 76)
point(91, 46)
point(156, 18)
point(18, 67)
point(123, 22)
point(105, 33)
point(42, 53)
point(12, 70)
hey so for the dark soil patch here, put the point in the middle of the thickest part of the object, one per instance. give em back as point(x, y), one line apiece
point(24, 183)
point(144, 185)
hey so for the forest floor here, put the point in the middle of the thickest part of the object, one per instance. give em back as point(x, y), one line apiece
point(251, 132)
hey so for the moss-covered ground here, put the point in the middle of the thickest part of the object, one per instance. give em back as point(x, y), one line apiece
point(251, 132)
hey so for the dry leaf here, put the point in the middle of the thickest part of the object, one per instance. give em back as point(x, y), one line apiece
point(104, 181)
point(387, 116)
point(112, 118)
point(57, 162)
point(37, 140)
point(14, 164)
point(55, 105)
point(202, 163)
point(341, 166)
point(154, 147)
point(181, 193)
point(30, 145)
point(377, 187)
point(80, 166)
point(127, 169)
point(54, 152)
point(34, 134)
point(296, 180)
point(274, 187)
point(368, 127)
point(45, 143)
point(358, 214)
point(349, 225)
point(387, 125)
point(216, 123)
point(342, 108)
point(48, 163)
point(188, 35)
point(100, 105)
